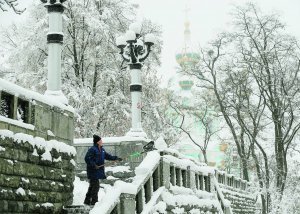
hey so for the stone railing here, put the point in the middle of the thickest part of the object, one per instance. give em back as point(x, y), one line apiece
point(128, 198)
point(160, 172)
point(231, 181)
point(28, 112)
point(36, 176)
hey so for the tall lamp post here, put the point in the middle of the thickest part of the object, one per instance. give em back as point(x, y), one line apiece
point(55, 41)
point(135, 48)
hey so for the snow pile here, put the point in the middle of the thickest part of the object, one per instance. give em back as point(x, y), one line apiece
point(47, 205)
point(39, 143)
point(177, 190)
point(178, 210)
point(148, 164)
point(180, 200)
point(20, 191)
point(176, 153)
point(24, 180)
point(185, 163)
point(161, 207)
point(160, 144)
point(118, 169)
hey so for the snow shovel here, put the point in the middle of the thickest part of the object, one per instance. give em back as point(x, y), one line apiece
point(146, 148)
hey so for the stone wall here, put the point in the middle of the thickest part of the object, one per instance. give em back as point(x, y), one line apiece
point(36, 176)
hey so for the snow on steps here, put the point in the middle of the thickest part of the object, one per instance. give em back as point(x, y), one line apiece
point(185, 200)
point(74, 209)
point(241, 201)
point(113, 173)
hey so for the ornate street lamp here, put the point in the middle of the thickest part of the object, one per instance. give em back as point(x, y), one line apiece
point(135, 49)
point(55, 41)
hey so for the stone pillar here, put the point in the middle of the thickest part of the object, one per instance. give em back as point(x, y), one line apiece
point(156, 178)
point(55, 42)
point(165, 174)
point(196, 181)
point(184, 178)
point(191, 178)
point(136, 101)
point(207, 183)
point(139, 201)
point(15, 107)
point(148, 190)
point(201, 182)
point(211, 183)
point(172, 175)
point(178, 176)
point(226, 180)
point(128, 204)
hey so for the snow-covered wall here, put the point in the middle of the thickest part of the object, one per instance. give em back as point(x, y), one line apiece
point(25, 111)
point(36, 176)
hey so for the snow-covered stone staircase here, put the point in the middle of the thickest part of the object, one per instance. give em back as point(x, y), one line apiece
point(166, 182)
point(241, 202)
point(185, 200)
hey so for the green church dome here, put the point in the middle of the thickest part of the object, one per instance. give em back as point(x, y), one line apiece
point(184, 59)
point(186, 84)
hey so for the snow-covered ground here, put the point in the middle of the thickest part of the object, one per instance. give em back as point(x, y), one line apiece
point(80, 189)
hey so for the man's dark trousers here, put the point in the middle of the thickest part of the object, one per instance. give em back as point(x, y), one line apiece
point(92, 195)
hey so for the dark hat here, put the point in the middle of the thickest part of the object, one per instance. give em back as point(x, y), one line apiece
point(96, 138)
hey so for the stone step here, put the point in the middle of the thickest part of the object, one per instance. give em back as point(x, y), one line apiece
point(73, 209)
point(112, 176)
point(192, 209)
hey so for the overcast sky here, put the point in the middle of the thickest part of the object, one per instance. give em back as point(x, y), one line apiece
point(207, 18)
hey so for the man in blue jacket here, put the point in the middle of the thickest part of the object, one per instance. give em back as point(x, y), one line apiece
point(94, 159)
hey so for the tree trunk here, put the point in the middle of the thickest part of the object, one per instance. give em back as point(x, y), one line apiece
point(205, 156)
point(264, 201)
point(94, 89)
point(245, 168)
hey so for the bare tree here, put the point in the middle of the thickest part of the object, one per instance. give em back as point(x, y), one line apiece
point(186, 118)
point(211, 74)
point(5, 5)
point(249, 112)
point(254, 73)
point(272, 58)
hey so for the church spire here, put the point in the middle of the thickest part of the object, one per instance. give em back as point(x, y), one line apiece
point(187, 58)
point(187, 31)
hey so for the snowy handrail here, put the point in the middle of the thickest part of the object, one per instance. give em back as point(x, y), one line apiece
point(231, 181)
point(146, 182)
point(161, 170)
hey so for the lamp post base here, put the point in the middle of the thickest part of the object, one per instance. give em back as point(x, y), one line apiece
point(57, 95)
point(139, 132)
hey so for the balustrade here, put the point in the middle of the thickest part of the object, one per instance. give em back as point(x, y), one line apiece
point(167, 172)
point(28, 112)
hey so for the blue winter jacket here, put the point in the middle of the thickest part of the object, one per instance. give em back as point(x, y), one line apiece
point(96, 156)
